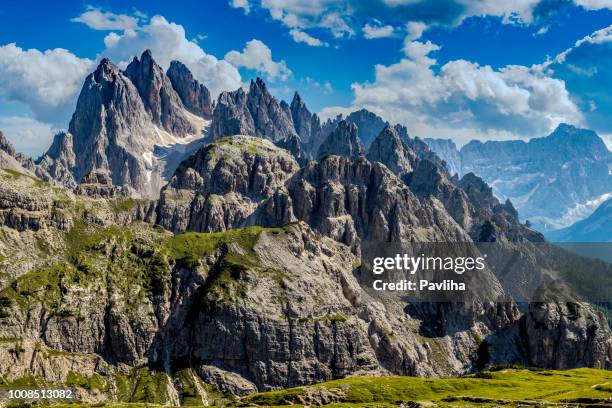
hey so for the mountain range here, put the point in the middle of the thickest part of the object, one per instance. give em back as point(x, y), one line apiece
point(597, 227)
point(170, 248)
point(553, 181)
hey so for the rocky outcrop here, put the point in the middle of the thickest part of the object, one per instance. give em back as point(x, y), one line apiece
point(121, 129)
point(307, 125)
point(256, 113)
point(343, 141)
point(222, 185)
point(194, 95)
point(60, 160)
point(389, 149)
point(368, 123)
point(160, 99)
point(98, 184)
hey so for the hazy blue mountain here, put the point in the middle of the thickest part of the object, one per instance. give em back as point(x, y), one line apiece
point(595, 228)
point(553, 181)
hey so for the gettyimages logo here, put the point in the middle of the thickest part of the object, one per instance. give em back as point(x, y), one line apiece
point(412, 264)
point(494, 272)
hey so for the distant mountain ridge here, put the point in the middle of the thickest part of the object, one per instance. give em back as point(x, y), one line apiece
point(597, 227)
point(553, 181)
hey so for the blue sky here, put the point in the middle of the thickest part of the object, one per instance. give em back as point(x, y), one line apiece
point(445, 68)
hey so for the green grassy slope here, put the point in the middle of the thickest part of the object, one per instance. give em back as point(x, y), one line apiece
point(501, 388)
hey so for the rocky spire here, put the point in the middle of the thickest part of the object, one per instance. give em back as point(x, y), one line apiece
point(60, 160)
point(343, 141)
point(389, 149)
point(159, 97)
point(368, 123)
point(6, 146)
point(256, 113)
point(270, 120)
point(307, 125)
point(110, 130)
point(194, 95)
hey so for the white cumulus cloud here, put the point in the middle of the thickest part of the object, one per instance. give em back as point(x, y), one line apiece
point(243, 4)
point(373, 31)
point(462, 97)
point(47, 82)
point(98, 19)
point(167, 41)
point(28, 135)
point(303, 37)
point(258, 56)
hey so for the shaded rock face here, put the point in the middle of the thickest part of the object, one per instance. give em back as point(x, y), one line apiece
point(221, 186)
point(389, 149)
point(567, 334)
point(307, 125)
point(130, 125)
point(194, 95)
point(354, 200)
point(554, 181)
point(369, 124)
point(160, 99)
point(60, 160)
point(256, 113)
point(343, 141)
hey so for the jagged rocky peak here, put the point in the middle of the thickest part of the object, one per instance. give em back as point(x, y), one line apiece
point(270, 120)
point(253, 113)
point(307, 125)
point(194, 95)
point(256, 113)
point(343, 141)
point(59, 161)
point(576, 141)
point(158, 95)
point(390, 149)
point(5, 145)
point(368, 123)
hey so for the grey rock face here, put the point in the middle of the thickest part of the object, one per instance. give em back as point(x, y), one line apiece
point(567, 334)
point(256, 113)
point(389, 149)
point(307, 125)
point(369, 124)
point(123, 130)
point(159, 97)
point(221, 186)
point(343, 141)
point(447, 149)
point(194, 95)
point(353, 200)
point(60, 160)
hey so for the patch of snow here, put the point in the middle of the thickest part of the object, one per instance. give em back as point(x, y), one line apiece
point(581, 211)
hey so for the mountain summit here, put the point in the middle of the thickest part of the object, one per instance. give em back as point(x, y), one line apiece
point(121, 120)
